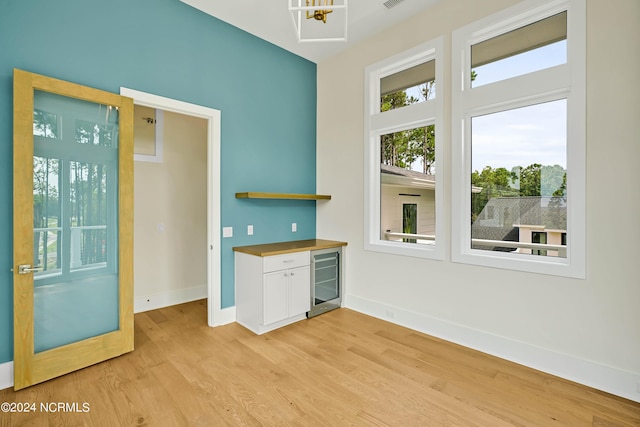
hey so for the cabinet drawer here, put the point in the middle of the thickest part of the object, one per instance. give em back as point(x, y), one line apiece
point(285, 261)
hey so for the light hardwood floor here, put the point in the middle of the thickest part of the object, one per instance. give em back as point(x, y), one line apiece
point(340, 368)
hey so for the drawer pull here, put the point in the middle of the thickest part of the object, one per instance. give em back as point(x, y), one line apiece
point(288, 260)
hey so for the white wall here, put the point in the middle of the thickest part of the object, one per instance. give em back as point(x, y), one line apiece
point(584, 330)
point(170, 218)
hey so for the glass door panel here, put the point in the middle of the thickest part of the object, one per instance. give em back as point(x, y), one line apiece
point(73, 186)
point(75, 213)
point(326, 278)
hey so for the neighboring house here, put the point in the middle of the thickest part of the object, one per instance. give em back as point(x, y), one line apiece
point(407, 204)
point(532, 219)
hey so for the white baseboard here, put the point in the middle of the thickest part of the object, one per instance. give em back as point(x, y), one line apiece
point(595, 375)
point(167, 298)
point(6, 375)
point(224, 316)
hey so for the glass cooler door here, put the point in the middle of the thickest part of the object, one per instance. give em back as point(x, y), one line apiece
point(326, 278)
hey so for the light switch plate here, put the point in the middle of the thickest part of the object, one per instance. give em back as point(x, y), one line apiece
point(227, 231)
point(294, 227)
point(250, 230)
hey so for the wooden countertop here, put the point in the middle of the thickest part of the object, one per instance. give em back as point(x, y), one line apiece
point(269, 249)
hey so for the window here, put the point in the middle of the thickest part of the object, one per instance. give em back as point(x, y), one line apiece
point(408, 87)
point(148, 128)
point(533, 47)
point(74, 188)
point(403, 159)
point(541, 238)
point(409, 221)
point(518, 133)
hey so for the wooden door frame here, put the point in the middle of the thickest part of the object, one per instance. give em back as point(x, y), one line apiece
point(30, 367)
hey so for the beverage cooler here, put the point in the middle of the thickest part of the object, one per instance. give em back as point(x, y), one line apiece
point(326, 280)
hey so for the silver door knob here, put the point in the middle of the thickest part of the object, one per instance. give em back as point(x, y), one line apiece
point(26, 268)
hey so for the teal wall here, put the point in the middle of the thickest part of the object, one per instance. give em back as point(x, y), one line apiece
point(267, 97)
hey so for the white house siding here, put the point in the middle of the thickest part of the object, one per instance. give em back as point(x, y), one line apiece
point(554, 237)
point(391, 209)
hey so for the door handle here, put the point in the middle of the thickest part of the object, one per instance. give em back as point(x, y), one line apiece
point(26, 268)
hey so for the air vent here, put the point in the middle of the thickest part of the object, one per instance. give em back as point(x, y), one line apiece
point(392, 3)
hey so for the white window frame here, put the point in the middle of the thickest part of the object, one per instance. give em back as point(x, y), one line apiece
point(378, 123)
point(566, 81)
point(156, 157)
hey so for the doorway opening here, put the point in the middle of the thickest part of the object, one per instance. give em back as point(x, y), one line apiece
point(170, 208)
point(211, 120)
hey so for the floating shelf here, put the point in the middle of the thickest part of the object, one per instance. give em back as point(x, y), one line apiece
point(259, 195)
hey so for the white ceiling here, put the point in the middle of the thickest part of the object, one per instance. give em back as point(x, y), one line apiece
point(270, 20)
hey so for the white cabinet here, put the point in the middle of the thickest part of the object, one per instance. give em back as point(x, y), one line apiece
point(272, 291)
point(286, 294)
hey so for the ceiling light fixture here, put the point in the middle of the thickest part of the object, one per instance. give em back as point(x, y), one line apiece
point(319, 14)
point(333, 28)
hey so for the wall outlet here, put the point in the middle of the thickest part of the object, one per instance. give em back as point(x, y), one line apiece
point(249, 230)
point(227, 231)
point(294, 227)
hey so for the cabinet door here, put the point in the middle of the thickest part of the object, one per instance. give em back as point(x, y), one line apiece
point(299, 291)
point(275, 297)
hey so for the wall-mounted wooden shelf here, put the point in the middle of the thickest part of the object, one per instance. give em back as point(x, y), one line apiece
point(259, 195)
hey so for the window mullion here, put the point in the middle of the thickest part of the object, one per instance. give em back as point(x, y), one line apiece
point(409, 116)
point(541, 86)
